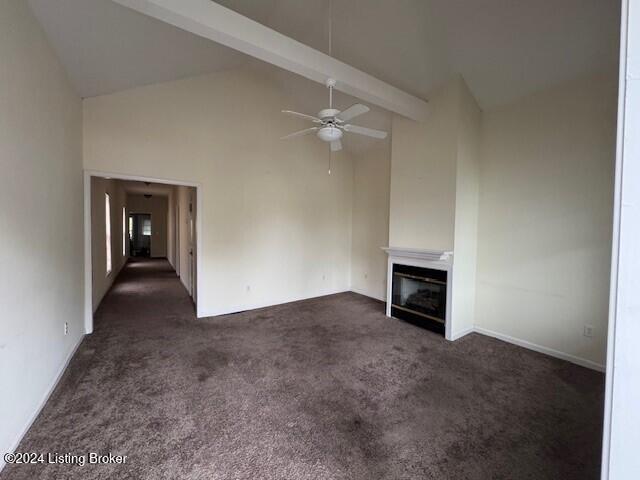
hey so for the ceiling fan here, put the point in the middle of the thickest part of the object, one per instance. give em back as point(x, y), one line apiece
point(332, 123)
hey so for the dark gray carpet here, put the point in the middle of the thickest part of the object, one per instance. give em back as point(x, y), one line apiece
point(327, 388)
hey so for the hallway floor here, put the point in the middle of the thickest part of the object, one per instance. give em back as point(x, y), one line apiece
point(327, 388)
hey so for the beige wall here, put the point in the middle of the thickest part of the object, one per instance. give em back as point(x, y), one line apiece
point(276, 227)
point(157, 206)
point(523, 195)
point(370, 221)
point(101, 281)
point(423, 175)
point(545, 217)
point(434, 189)
point(41, 220)
point(466, 211)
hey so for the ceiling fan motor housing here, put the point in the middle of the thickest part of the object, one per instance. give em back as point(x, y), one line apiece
point(328, 113)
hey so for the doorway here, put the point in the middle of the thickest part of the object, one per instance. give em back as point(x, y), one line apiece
point(140, 234)
point(171, 234)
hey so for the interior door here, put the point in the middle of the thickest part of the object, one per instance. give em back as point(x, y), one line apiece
point(192, 245)
point(177, 238)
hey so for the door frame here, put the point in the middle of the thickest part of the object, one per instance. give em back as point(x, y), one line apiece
point(88, 280)
point(622, 390)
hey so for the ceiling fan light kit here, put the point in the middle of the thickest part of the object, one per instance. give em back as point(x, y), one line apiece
point(329, 134)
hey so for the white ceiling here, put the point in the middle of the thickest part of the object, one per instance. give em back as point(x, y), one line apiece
point(503, 48)
point(106, 47)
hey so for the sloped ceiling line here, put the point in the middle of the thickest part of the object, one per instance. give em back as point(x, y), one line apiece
point(222, 25)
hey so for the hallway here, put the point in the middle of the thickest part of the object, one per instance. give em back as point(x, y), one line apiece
point(326, 388)
point(107, 401)
point(147, 292)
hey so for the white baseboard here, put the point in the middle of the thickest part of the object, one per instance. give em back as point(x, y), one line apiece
point(462, 333)
point(363, 293)
point(43, 402)
point(256, 306)
point(583, 362)
point(112, 278)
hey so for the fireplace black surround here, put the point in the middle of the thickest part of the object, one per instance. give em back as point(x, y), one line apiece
point(419, 296)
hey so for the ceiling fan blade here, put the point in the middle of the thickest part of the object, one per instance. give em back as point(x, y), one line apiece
point(352, 112)
point(300, 133)
point(302, 115)
point(336, 145)
point(369, 132)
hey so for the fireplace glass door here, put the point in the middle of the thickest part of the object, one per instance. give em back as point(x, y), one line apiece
point(419, 294)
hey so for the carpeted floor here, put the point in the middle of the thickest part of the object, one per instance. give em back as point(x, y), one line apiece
point(327, 388)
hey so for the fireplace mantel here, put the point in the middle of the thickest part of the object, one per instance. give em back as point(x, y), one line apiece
point(420, 254)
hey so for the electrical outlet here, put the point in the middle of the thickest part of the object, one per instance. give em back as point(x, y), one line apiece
point(248, 288)
point(324, 277)
point(588, 331)
point(66, 328)
point(366, 275)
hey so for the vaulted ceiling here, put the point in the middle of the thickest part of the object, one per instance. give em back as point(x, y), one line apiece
point(106, 47)
point(503, 48)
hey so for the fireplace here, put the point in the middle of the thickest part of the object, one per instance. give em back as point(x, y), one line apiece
point(419, 284)
point(419, 296)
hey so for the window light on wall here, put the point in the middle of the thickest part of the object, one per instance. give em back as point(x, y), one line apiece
point(146, 227)
point(107, 225)
point(124, 232)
